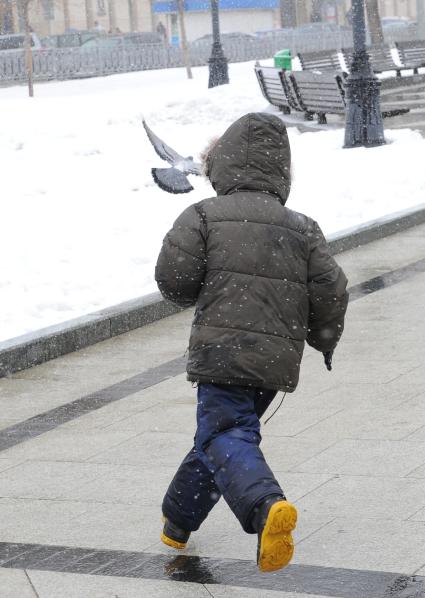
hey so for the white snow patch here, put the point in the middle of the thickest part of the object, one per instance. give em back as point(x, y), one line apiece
point(82, 220)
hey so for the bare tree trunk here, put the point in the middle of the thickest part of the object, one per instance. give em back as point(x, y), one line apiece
point(152, 15)
point(89, 14)
point(28, 52)
point(131, 15)
point(2, 16)
point(186, 55)
point(374, 21)
point(66, 15)
point(420, 12)
point(316, 11)
point(302, 14)
point(135, 16)
point(112, 16)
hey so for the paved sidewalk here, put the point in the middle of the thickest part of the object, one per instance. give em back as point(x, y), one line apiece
point(94, 438)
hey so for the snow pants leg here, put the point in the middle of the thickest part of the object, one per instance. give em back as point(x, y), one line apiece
point(226, 459)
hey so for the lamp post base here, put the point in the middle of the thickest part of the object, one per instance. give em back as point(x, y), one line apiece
point(218, 69)
point(363, 123)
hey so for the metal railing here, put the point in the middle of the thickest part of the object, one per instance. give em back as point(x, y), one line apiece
point(70, 63)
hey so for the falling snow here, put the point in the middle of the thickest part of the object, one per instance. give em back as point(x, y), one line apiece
point(82, 221)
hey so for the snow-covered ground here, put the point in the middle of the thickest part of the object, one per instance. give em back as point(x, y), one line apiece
point(82, 221)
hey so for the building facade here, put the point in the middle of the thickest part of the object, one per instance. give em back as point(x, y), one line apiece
point(247, 16)
point(57, 16)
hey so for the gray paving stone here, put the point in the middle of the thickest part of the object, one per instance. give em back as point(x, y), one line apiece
point(117, 527)
point(78, 368)
point(419, 434)
point(169, 449)
point(221, 535)
point(419, 516)
point(416, 402)
point(371, 545)
point(357, 396)
point(297, 485)
point(286, 453)
point(5, 422)
point(235, 592)
point(418, 472)
point(136, 404)
point(91, 563)
point(29, 559)
point(15, 584)
point(67, 444)
point(372, 424)
point(6, 463)
point(177, 418)
point(58, 560)
point(367, 457)
point(291, 421)
point(366, 498)
point(46, 479)
point(96, 526)
point(114, 412)
point(21, 399)
point(112, 499)
point(367, 261)
point(365, 371)
point(53, 585)
point(125, 484)
point(10, 550)
point(25, 520)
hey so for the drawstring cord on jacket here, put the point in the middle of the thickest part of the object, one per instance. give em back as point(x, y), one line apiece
point(277, 408)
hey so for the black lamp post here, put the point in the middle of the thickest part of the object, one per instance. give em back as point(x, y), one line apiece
point(363, 125)
point(219, 74)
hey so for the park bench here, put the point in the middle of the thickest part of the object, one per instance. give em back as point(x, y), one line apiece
point(327, 60)
point(318, 93)
point(324, 93)
point(381, 60)
point(412, 54)
point(309, 92)
point(272, 88)
point(275, 87)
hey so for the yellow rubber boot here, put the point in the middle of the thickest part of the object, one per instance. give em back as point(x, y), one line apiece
point(174, 536)
point(275, 543)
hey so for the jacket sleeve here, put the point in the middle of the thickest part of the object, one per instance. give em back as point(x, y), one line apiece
point(328, 297)
point(180, 269)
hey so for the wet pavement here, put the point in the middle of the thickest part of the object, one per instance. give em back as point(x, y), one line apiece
point(90, 441)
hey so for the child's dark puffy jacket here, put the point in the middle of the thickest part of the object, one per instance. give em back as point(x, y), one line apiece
point(261, 275)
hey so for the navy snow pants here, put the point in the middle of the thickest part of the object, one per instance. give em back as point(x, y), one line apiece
point(226, 459)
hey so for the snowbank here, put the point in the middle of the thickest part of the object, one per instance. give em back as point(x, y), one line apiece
point(82, 221)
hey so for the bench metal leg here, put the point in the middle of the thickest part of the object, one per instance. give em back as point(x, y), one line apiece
point(321, 119)
point(285, 109)
point(308, 115)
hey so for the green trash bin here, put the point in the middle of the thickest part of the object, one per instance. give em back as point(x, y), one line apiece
point(283, 60)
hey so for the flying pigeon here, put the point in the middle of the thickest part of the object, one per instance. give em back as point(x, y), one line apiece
point(172, 179)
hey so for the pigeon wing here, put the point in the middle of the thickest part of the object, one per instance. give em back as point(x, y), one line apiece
point(163, 150)
point(167, 153)
point(171, 180)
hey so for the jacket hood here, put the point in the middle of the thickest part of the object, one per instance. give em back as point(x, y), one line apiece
point(252, 155)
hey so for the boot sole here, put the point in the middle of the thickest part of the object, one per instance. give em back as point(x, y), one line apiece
point(173, 543)
point(276, 544)
point(169, 541)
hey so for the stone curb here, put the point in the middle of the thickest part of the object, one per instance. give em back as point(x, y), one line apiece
point(38, 347)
